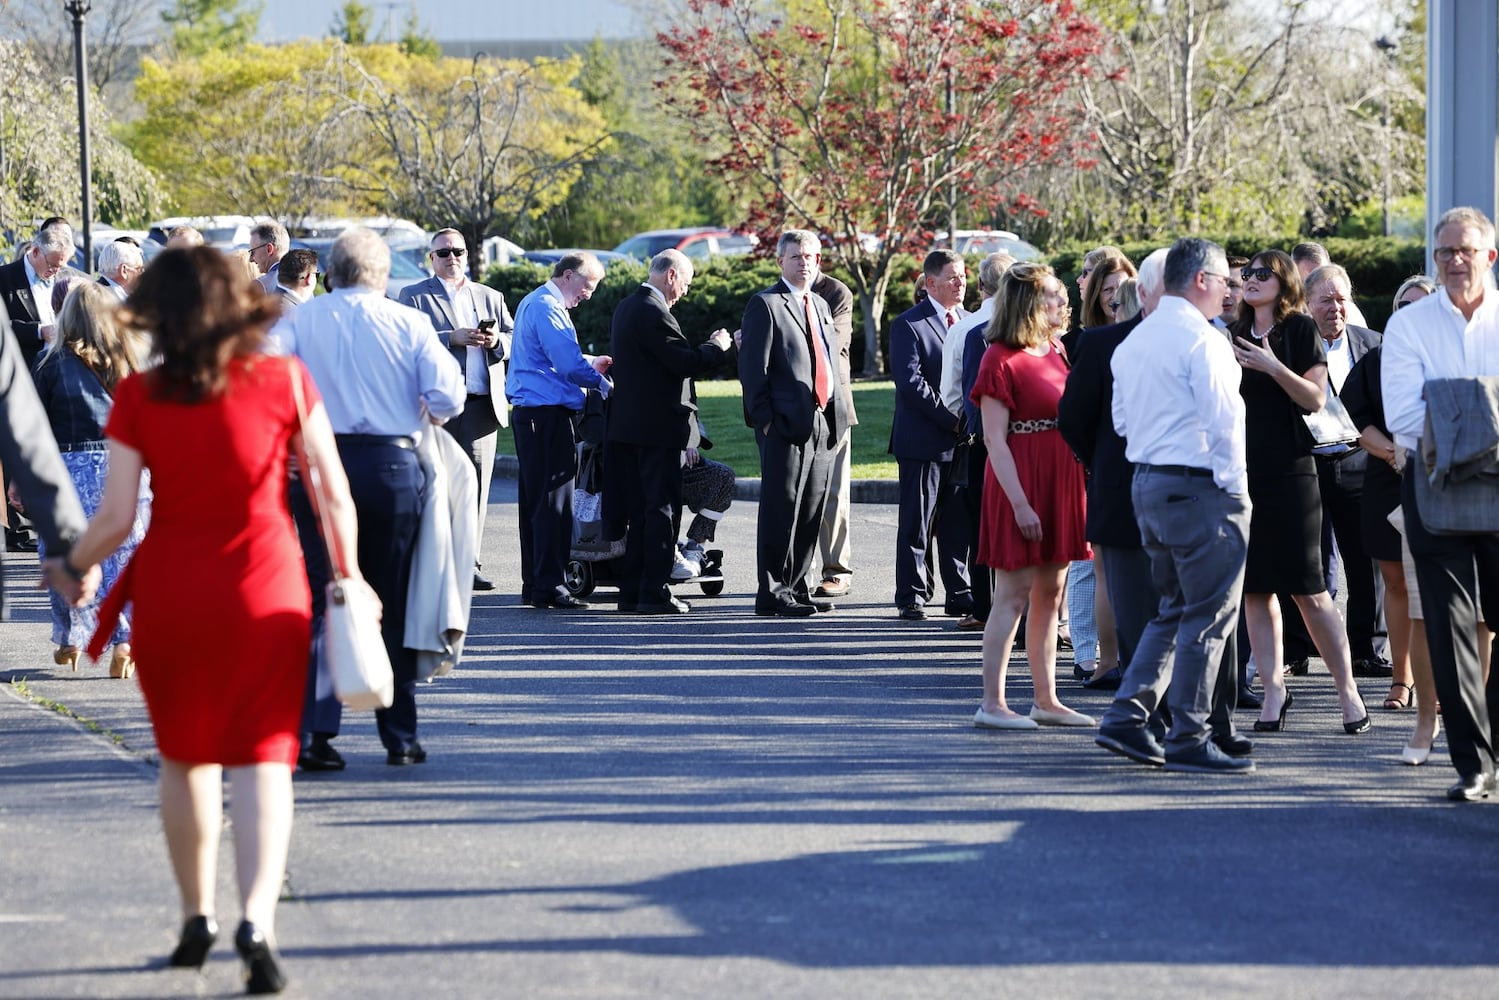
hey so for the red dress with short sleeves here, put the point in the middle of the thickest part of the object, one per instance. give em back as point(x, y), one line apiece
point(1030, 386)
point(222, 614)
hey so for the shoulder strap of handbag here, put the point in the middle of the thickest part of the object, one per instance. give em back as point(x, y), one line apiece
point(312, 476)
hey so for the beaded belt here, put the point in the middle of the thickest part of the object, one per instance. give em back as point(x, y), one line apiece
point(1032, 426)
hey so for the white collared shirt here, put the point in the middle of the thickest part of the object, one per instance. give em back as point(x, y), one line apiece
point(1431, 339)
point(475, 361)
point(951, 388)
point(1339, 359)
point(1176, 395)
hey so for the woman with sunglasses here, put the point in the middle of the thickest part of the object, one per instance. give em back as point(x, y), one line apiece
point(1285, 377)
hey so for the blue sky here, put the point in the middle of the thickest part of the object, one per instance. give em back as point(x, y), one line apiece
point(458, 20)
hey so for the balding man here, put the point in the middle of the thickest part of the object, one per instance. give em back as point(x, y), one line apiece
point(650, 423)
point(378, 365)
point(184, 238)
point(120, 267)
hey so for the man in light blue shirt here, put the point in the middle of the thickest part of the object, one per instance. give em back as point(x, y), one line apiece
point(383, 376)
point(548, 380)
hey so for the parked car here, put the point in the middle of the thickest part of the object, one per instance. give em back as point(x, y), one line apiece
point(699, 243)
point(550, 257)
point(987, 241)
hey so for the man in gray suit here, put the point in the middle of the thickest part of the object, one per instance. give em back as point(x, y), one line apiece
point(474, 324)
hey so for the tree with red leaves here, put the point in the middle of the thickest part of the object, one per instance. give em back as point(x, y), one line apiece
point(865, 119)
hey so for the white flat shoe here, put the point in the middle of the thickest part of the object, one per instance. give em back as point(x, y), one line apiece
point(988, 720)
point(1066, 717)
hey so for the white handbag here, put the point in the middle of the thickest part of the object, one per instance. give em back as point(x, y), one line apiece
point(352, 646)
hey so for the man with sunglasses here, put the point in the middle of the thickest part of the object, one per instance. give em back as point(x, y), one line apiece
point(1451, 334)
point(268, 244)
point(473, 323)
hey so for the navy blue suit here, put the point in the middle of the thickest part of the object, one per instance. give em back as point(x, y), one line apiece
point(923, 435)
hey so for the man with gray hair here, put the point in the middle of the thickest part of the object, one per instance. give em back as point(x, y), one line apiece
point(650, 424)
point(379, 367)
point(792, 398)
point(26, 288)
point(120, 267)
point(1176, 403)
point(268, 244)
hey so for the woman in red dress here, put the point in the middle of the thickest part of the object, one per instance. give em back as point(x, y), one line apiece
point(1032, 523)
point(222, 610)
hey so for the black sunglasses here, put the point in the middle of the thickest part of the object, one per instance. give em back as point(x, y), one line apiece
point(1256, 274)
point(449, 252)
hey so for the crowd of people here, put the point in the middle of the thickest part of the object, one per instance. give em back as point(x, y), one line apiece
point(1155, 468)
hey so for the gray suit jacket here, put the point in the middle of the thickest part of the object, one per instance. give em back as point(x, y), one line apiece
point(775, 365)
point(431, 297)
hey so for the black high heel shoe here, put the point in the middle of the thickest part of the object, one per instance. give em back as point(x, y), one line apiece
point(198, 935)
point(1358, 726)
point(1261, 726)
point(262, 972)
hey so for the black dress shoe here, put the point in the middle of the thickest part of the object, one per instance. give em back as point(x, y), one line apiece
point(482, 582)
point(1234, 744)
point(413, 754)
point(320, 755)
point(912, 613)
point(1109, 681)
point(1207, 759)
point(958, 608)
point(1471, 788)
point(198, 935)
point(262, 971)
point(670, 606)
point(1373, 667)
point(1134, 742)
point(562, 601)
point(785, 609)
point(1298, 668)
point(1248, 699)
point(818, 604)
point(20, 541)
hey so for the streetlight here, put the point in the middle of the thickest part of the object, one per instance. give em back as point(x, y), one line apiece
point(78, 10)
point(1387, 47)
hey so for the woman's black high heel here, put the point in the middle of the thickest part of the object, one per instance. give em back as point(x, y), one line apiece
point(262, 973)
point(1358, 726)
point(1261, 726)
point(198, 935)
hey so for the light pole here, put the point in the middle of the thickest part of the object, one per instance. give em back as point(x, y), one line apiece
point(79, 10)
point(1387, 47)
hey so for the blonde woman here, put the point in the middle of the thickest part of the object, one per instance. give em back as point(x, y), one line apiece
point(1032, 522)
point(75, 381)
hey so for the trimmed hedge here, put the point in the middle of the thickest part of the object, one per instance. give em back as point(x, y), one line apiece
point(722, 286)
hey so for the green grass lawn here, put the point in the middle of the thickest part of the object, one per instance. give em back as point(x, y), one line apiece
point(720, 406)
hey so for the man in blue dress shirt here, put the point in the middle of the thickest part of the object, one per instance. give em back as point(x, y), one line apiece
point(548, 380)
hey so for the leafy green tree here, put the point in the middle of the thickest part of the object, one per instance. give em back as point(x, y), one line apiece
point(416, 40)
point(352, 23)
point(200, 26)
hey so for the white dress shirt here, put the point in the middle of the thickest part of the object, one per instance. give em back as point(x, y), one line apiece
point(374, 362)
point(1430, 339)
point(1176, 395)
point(1339, 360)
point(475, 360)
point(41, 294)
point(951, 388)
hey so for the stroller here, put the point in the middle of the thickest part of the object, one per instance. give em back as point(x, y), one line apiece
point(599, 540)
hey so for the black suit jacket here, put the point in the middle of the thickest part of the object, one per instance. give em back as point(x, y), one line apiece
point(653, 402)
point(775, 365)
point(15, 292)
point(1361, 340)
point(1085, 418)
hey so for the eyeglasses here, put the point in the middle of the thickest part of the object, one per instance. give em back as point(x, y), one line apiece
point(446, 252)
point(262, 246)
point(1215, 274)
point(1446, 254)
point(1256, 274)
point(1406, 302)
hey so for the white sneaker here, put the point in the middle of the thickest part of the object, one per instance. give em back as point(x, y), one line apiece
point(684, 567)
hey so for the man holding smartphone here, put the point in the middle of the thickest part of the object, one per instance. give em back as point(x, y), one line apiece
point(474, 324)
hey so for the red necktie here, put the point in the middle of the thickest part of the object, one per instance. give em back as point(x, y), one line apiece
point(951, 319)
point(819, 362)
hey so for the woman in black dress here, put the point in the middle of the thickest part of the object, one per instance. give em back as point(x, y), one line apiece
point(1285, 376)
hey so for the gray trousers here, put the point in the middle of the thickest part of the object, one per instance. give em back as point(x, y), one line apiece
point(1196, 536)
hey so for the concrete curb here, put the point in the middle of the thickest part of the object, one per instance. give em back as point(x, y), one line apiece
point(860, 490)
